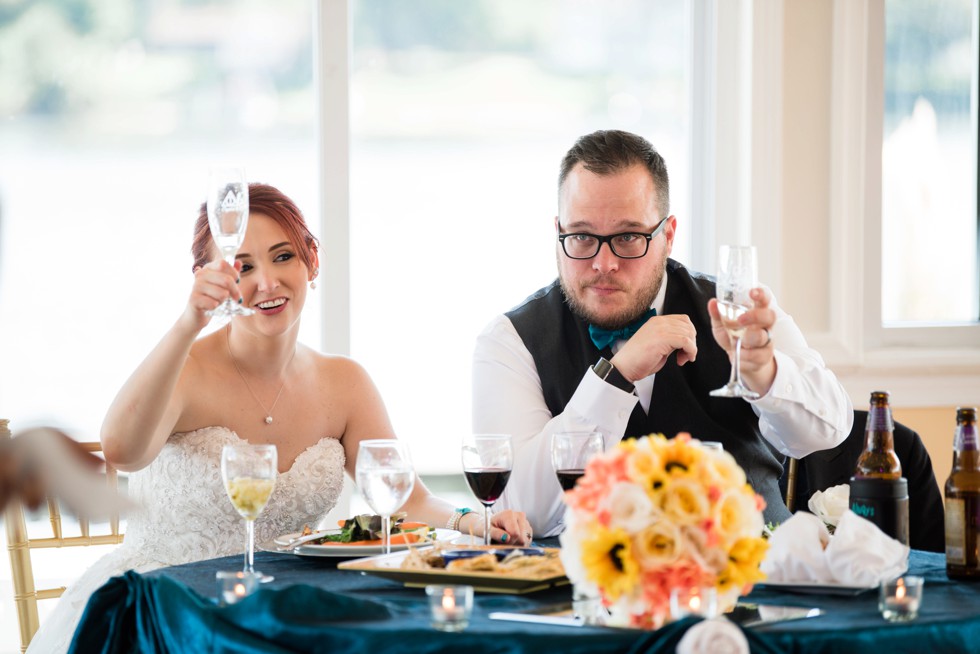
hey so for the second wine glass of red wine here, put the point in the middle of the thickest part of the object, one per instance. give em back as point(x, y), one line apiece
point(487, 462)
point(570, 453)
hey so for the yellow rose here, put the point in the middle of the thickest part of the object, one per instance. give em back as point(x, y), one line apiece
point(736, 514)
point(658, 545)
point(685, 502)
point(719, 468)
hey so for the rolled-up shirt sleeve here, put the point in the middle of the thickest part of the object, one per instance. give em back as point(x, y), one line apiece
point(806, 408)
point(507, 398)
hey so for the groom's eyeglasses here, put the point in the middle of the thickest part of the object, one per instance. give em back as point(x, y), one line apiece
point(625, 245)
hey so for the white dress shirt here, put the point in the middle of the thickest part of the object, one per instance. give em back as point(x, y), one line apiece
point(805, 410)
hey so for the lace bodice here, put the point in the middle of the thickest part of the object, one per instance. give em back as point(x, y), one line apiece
point(187, 516)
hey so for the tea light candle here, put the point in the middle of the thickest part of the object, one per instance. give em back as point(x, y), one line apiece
point(234, 586)
point(693, 601)
point(450, 606)
point(899, 599)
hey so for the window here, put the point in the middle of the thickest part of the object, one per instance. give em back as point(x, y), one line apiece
point(112, 112)
point(929, 164)
point(460, 114)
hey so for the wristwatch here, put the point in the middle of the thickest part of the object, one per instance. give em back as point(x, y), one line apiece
point(607, 372)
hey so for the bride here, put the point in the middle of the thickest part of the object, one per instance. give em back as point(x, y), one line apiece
point(249, 381)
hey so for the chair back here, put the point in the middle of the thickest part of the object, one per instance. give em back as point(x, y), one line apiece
point(19, 544)
point(823, 469)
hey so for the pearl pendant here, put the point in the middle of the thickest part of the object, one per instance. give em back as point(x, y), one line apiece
point(268, 420)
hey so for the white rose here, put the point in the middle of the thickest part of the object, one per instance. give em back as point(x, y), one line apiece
point(715, 636)
point(629, 507)
point(829, 505)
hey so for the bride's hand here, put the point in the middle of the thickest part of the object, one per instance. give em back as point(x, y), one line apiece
point(213, 284)
point(514, 524)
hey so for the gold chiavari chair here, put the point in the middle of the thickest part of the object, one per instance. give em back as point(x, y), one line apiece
point(20, 544)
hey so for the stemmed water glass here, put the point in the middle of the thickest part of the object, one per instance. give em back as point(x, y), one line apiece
point(385, 477)
point(570, 453)
point(228, 218)
point(487, 463)
point(736, 277)
point(249, 472)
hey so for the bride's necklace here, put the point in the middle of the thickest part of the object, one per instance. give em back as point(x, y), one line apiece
point(268, 412)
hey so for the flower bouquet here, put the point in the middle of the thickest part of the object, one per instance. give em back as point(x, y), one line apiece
point(654, 514)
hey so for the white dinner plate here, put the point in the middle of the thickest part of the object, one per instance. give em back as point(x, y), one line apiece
point(347, 551)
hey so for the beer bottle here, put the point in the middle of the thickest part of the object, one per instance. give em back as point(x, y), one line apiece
point(878, 460)
point(963, 500)
point(879, 492)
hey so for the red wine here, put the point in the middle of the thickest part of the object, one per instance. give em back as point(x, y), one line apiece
point(487, 483)
point(567, 478)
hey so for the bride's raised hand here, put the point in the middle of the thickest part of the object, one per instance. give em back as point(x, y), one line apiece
point(213, 284)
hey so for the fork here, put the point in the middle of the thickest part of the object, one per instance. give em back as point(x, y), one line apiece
point(296, 542)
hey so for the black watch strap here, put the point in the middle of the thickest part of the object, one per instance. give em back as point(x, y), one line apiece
point(607, 372)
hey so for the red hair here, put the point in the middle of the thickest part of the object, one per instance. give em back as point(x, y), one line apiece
point(268, 201)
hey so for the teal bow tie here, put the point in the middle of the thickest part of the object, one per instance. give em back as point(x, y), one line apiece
point(603, 338)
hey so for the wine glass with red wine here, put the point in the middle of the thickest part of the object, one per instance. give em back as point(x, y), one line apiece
point(487, 462)
point(570, 453)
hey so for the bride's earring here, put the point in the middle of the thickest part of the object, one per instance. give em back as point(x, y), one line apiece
point(316, 271)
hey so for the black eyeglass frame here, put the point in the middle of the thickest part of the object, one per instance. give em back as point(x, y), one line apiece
point(608, 240)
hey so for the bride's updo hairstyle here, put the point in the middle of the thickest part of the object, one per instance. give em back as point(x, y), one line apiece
point(269, 201)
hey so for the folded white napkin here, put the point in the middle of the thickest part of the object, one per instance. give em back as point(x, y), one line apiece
point(715, 636)
point(801, 550)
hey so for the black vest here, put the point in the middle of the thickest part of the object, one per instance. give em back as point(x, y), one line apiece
point(562, 351)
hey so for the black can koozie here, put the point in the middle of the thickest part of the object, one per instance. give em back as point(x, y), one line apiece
point(885, 502)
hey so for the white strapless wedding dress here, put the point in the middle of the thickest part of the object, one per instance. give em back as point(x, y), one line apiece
point(187, 517)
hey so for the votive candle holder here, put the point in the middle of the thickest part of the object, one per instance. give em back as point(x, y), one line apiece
point(694, 600)
point(233, 587)
point(450, 606)
point(899, 599)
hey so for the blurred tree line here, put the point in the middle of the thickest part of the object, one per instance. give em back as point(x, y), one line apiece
point(929, 53)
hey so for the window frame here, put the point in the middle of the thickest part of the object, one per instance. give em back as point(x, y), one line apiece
point(737, 53)
point(923, 365)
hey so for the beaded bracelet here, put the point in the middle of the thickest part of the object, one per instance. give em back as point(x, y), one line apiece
point(456, 517)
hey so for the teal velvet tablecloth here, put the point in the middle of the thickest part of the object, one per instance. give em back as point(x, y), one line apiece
point(313, 607)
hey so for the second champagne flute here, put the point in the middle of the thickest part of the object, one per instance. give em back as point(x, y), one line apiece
point(487, 463)
point(228, 218)
point(736, 278)
point(385, 477)
point(249, 472)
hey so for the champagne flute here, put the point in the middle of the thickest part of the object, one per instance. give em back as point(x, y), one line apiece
point(487, 463)
point(570, 453)
point(736, 277)
point(228, 218)
point(386, 478)
point(249, 472)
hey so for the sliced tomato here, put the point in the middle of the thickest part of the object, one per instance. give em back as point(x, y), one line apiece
point(396, 539)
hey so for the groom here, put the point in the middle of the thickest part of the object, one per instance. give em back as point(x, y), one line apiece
point(630, 342)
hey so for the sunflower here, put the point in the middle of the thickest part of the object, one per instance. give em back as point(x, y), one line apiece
point(608, 560)
point(743, 564)
point(680, 459)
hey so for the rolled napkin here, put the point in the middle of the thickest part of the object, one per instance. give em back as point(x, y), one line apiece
point(801, 550)
point(715, 636)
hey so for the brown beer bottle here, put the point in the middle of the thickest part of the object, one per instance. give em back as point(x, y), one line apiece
point(878, 460)
point(963, 500)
